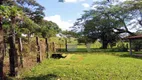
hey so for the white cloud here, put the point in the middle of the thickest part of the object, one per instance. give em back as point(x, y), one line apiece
point(70, 0)
point(74, 1)
point(94, 7)
point(86, 5)
point(64, 25)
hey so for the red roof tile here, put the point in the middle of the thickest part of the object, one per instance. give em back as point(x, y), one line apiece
point(134, 37)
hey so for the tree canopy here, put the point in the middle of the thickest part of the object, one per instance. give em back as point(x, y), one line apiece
point(107, 20)
point(49, 29)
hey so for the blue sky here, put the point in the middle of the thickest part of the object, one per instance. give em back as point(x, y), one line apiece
point(64, 14)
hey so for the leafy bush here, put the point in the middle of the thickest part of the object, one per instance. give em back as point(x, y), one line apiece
point(122, 47)
point(26, 49)
point(33, 46)
point(137, 45)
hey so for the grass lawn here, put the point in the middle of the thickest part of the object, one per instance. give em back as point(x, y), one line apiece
point(90, 66)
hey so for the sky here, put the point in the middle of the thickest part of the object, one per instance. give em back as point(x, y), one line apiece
point(64, 14)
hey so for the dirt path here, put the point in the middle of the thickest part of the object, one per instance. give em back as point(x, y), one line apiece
point(69, 56)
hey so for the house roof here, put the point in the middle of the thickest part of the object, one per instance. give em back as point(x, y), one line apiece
point(134, 37)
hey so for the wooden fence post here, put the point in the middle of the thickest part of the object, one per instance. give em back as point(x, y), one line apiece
point(66, 45)
point(38, 50)
point(20, 52)
point(60, 47)
point(47, 47)
point(54, 49)
point(130, 41)
point(5, 46)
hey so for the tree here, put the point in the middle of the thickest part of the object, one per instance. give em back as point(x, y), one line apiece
point(135, 9)
point(98, 24)
point(1, 45)
point(29, 27)
point(128, 13)
point(7, 12)
point(69, 34)
point(10, 10)
point(30, 7)
point(105, 22)
point(34, 11)
point(13, 13)
point(100, 28)
point(3, 12)
point(49, 29)
point(13, 56)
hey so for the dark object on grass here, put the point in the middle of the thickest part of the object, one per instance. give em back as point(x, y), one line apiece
point(57, 56)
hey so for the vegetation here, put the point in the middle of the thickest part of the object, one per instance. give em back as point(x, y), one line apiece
point(26, 14)
point(103, 27)
point(107, 21)
point(82, 66)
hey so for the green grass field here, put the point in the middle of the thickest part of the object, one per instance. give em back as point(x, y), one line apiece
point(88, 66)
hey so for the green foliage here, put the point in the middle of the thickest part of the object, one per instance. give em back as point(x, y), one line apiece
point(83, 39)
point(4, 11)
point(29, 26)
point(9, 11)
point(32, 8)
point(69, 34)
point(137, 45)
point(122, 47)
point(19, 10)
point(107, 20)
point(49, 29)
point(26, 50)
point(33, 46)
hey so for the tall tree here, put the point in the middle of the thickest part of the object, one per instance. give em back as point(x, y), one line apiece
point(103, 22)
point(49, 29)
point(3, 12)
point(31, 8)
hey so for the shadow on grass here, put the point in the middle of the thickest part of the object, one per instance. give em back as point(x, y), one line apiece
point(134, 55)
point(43, 77)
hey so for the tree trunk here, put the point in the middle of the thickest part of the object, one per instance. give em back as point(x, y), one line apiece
point(104, 44)
point(38, 50)
point(1, 50)
point(13, 56)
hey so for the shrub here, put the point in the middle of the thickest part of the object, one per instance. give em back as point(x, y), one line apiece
point(137, 45)
point(26, 49)
point(122, 47)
